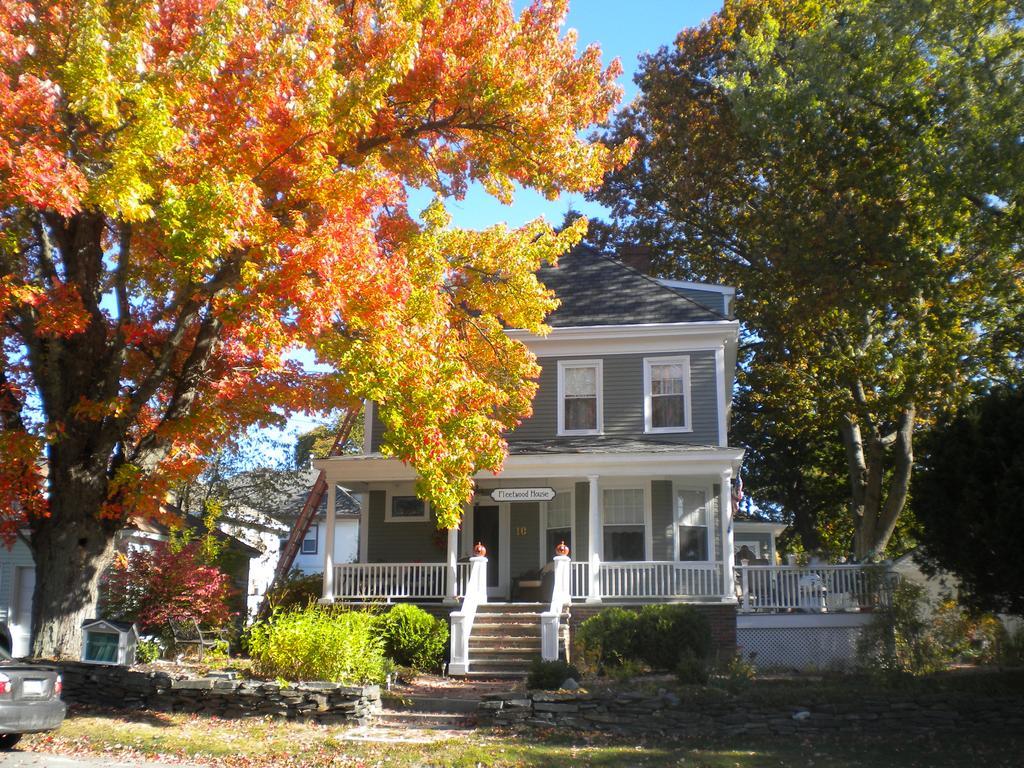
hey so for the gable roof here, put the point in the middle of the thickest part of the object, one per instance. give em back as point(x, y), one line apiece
point(598, 290)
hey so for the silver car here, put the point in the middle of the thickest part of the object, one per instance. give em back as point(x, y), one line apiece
point(29, 699)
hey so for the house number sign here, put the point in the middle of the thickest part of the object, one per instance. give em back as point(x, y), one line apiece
point(523, 494)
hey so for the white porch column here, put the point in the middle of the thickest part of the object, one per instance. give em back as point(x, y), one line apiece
point(332, 494)
point(728, 548)
point(453, 572)
point(594, 590)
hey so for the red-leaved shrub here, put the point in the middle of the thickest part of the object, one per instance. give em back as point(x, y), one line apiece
point(154, 586)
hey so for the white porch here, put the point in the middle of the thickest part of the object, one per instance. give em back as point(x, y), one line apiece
point(639, 526)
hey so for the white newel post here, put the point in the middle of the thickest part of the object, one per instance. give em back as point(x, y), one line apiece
point(332, 495)
point(462, 620)
point(550, 619)
point(594, 588)
point(728, 549)
point(451, 591)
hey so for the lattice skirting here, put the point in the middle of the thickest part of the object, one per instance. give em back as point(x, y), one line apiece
point(800, 641)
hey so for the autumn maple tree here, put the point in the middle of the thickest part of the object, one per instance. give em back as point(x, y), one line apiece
point(854, 167)
point(192, 189)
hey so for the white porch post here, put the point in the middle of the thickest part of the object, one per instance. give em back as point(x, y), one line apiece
point(594, 590)
point(453, 572)
point(728, 549)
point(332, 494)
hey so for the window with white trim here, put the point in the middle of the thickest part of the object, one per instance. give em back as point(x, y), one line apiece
point(580, 397)
point(559, 526)
point(309, 542)
point(667, 394)
point(692, 524)
point(406, 509)
point(625, 524)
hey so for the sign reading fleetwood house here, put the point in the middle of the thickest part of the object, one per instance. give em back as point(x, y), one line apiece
point(523, 494)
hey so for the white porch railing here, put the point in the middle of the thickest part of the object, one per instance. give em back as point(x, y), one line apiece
point(389, 581)
point(462, 571)
point(775, 588)
point(579, 583)
point(640, 579)
point(462, 619)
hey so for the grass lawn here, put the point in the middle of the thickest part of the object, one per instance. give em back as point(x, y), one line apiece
point(241, 743)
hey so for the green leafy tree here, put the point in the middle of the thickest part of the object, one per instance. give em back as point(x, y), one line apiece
point(855, 167)
point(317, 442)
point(969, 501)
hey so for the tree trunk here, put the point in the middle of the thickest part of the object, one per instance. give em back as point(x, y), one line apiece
point(875, 517)
point(72, 547)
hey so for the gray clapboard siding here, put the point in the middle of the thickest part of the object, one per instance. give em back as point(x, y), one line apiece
point(624, 400)
point(403, 542)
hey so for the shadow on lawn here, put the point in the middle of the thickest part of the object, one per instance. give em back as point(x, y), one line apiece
point(141, 716)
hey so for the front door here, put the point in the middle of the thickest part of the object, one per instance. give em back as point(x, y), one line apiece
point(487, 522)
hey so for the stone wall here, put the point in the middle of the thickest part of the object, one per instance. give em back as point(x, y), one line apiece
point(721, 616)
point(119, 687)
point(667, 713)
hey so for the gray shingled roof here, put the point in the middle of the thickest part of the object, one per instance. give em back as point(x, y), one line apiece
point(598, 290)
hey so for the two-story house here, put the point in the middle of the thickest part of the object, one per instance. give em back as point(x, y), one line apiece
point(626, 460)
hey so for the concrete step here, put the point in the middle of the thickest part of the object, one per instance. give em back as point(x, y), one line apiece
point(483, 663)
point(502, 641)
point(513, 607)
point(497, 652)
point(429, 704)
point(447, 721)
point(493, 628)
point(496, 675)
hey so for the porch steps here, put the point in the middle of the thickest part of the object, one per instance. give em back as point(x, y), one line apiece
point(505, 640)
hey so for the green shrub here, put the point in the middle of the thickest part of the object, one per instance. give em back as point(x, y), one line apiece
point(147, 651)
point(549, 675)
point(318, 644)
point(296, 590)
point(413, 638)
point(665, 633)
point(608, 637)
point(899, 639)
point(692, 671)
point(737, 674)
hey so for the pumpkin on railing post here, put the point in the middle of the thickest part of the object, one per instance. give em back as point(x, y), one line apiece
point(480, 550)
point(561, 549)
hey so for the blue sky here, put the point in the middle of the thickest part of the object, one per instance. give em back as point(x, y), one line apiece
point(623, 29)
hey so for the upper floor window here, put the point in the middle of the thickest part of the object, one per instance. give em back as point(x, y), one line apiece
point(667, 394)
point(579, 397)
point(309, 542)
